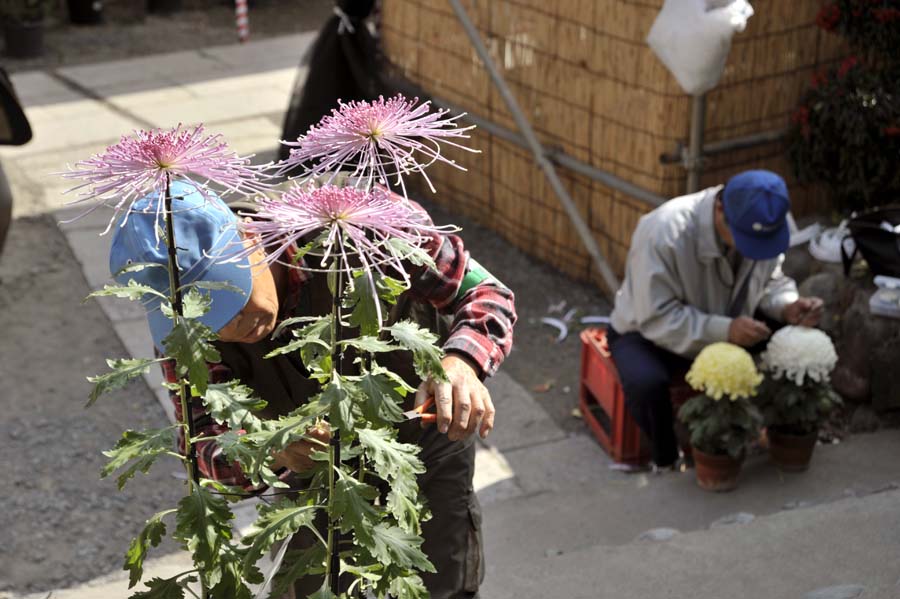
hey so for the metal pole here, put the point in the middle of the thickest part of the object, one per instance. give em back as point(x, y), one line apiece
point(727, 145)
point(694, 159)
point(587, 238)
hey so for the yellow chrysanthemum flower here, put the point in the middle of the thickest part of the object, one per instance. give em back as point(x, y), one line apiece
point(724, 369)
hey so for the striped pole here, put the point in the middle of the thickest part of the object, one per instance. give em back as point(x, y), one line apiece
point(242, 20)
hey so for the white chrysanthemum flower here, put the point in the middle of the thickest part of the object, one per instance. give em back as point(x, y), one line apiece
point(800, 353)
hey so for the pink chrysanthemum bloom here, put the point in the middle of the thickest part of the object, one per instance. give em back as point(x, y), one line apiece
point(379, 140)
point(146, 161)
point(349, 229)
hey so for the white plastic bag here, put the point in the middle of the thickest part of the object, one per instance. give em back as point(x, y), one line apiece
point(693, 38)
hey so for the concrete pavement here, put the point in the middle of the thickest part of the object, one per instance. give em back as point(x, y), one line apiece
point(558, 520)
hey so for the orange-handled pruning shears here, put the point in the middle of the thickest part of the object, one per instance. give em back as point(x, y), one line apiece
point(420, 412)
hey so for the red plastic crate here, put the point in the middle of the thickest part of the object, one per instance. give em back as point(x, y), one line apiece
point(603, 402)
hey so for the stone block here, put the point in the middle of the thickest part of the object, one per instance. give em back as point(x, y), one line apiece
point(829, 287)
point(885, 358)
point(864, 420)
point(798, 263)
point(868, 350)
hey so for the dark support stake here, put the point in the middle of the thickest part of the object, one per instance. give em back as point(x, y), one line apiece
point(178, 308)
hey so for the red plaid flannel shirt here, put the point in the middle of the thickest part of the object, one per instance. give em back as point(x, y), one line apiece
point(482, 331)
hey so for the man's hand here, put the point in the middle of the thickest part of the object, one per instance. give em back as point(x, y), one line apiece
point(805, 312)
point(747, 332)
point(463, 404)
point(295, 457)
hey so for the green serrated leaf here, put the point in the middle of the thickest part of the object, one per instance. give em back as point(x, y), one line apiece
point(137, 267)
point(203, 523)
point(231, 580)
point(337, 397)
point(353, 503)
point(408, 587)
point(313, 341)
point(362, 296)
point(253, 461)
point(132, 290)
point(165, 588)
point(298, 564)
point(384, 393)
point(141, 448)
point(395, 462)
point(213, 286)
point(409, 253)
point(152, 534)
point(390, 289)
point(289, 322)
point(361, 299)
point(422, 343)
point(370, 573)
point(369, 345)
point(123, 371)
point(323, 593)
point(407, 511)
point(275, 523)
point(393, 545)
point(331, 280)
point(189, 343)
point(234, 404)
point(195, 304)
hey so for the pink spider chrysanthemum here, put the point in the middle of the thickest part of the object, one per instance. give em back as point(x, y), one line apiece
point(146, 161)
point(350, 230)
point(379, 140)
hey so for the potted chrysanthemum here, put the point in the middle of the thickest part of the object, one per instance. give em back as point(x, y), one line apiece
point(797, 396)
point(721, 419)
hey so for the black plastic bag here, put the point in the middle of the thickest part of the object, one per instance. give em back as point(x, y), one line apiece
point(877, 237)
point(14, 127)
point(342, 66)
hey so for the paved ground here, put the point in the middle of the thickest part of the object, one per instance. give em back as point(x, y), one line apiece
point(558, 520)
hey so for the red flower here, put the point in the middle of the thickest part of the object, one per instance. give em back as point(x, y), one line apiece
point(886, 15)
point(892, 131)
point(829, 16)
point(801, 116)
point(849, 63)
point(818, 79)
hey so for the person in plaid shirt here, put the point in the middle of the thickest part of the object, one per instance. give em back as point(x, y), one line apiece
point(473, 314)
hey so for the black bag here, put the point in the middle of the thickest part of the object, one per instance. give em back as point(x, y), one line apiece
point(879, 246)
point(14, 127)
point(342, 66)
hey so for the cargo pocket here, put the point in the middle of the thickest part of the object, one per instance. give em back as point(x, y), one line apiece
point(474, 548)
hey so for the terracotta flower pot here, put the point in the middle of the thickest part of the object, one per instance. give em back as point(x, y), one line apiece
point(717, 473)
point(791, 453)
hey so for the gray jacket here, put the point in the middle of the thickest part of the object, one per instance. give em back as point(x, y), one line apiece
point(679, 284)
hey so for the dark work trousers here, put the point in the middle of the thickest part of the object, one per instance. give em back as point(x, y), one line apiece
point(646, 371)
point(453, 535)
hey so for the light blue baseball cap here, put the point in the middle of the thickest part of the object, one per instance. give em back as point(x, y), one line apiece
point(756, 204)
point(204, 236)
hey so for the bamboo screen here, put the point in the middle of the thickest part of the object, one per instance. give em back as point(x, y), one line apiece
point(589, 84)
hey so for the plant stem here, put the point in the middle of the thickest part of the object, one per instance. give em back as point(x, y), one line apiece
point(333, 567)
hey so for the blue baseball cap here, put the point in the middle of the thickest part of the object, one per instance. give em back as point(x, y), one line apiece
point(204, 233)
point(756, 205)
